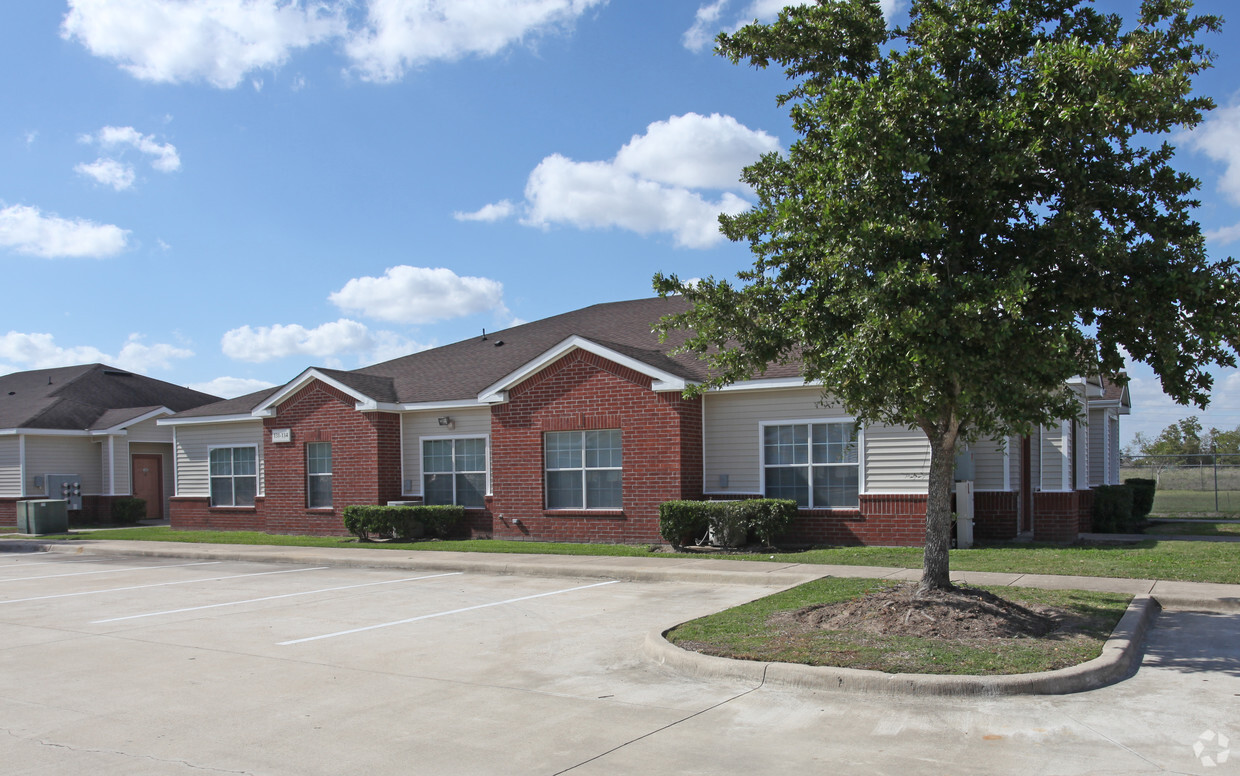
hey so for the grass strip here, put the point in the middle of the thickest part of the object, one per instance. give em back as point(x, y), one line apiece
point(1151, 559)
point(746, 632)
point(1194, 529)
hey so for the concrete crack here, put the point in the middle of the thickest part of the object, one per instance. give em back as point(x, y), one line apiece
point(151, 758)
point(668, 725)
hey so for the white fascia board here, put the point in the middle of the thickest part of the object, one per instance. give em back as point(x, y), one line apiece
point(660, 380)
point(47, 432)
point(451, 404)
point(204, 419)
point(266, 408)
point(766, 384)
point(119, 428)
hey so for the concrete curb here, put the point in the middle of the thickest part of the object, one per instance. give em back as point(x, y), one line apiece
point(1118, 659)
point(577, 567)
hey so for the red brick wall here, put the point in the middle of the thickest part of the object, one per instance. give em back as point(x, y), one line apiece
point(1056, 516)
point(661, 440)
point(994, 516)
point(365, 460)
point(1085, 514)
point(195, 513)
point(882, 519)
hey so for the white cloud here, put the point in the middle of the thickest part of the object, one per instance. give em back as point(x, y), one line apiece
point(222, 42)
point(496, 211)
point(109, 172)
point(265, 343)
point(419, 295)
point(231, 387)
point(40, 351)
point(655, 183)
point(31, 136)
point(326, 342)
point(216, 41)
point(26, 230)
point(599, 195)
point(706, 22)
point(164, 156)
point(1224, 235)
point(694, 151)
point(400, 34)
point(1218, 137)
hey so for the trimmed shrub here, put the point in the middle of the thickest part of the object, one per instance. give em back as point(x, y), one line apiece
point(728, 523)
point(682, 522)
point(404, 522)
point(1113, 509)
point(1142, 495)
point(768, 518)
point(129, 509)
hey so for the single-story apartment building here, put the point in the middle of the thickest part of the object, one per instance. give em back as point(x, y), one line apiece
point(574, 428)
point(88, 434)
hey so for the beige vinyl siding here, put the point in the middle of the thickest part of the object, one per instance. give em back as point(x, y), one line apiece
point(121, 459)
point(415, 425)
point(164, 451)
point(1113, 445)
point(148, 431)
point(77, 455)
point(10, 466)
point(895, 460)
point(1052, 455)
point(988, 463)
point(193, 442)
point(1097, 447)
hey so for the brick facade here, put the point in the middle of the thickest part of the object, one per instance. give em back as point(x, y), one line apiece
point(661, 438)
point(1056, 515)
point(995, 515)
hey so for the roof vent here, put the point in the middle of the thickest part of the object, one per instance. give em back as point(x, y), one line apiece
point(117, 373)
point(499, 343)
point(12, 393)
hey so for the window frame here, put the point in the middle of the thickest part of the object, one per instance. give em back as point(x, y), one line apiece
point(258, 467)
point(310, 475)
point(486, 473)
point(585, 490)
point(810, 465)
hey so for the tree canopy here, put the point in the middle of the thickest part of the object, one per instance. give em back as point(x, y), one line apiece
point(977, 208)
point(1187, 440)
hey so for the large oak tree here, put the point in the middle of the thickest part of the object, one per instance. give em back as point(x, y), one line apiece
point(979, 206)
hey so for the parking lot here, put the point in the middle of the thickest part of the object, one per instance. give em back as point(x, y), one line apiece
point(167, 666)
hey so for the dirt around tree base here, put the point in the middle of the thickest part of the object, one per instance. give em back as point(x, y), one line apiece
point(963, 614)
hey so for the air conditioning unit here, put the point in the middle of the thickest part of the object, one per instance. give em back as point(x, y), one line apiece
point(42, 516)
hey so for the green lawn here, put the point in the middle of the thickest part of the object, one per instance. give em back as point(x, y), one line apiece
point(1150, 559)
point(1194, 529)
point(1176, 502)
point(747, 632)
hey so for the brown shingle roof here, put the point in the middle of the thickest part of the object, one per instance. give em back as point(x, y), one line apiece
point(460, 371)
point(76, 397)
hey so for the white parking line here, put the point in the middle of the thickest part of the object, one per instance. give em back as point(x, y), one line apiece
point(18, 565)
point(158, 584)
point(274, 597)
point(113, 571)
point(442, 614)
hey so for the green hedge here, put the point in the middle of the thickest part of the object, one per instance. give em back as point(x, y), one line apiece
point(1112, 511)
point(1142, 495)
point(128, 509)
point(404, 522)
point(728, 523)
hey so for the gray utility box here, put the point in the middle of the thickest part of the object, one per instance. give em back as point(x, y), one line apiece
point(44, 516)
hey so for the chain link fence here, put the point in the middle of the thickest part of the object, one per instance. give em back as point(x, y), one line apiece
point(1189, 484)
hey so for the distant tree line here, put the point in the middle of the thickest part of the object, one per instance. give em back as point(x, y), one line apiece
point(1187, 440)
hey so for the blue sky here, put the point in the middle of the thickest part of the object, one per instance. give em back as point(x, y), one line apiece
point(219, 193)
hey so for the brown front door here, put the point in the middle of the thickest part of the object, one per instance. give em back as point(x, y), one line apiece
point(148, 483)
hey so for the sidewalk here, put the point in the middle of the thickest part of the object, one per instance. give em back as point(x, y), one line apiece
point(1172, 595)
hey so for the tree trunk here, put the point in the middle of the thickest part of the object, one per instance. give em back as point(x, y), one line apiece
point(936, 569)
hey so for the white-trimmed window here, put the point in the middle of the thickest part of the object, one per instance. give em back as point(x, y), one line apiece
point(454, 471)
point(583, 469)
point(815, 464)
point(234, 475)
point(318, 475)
